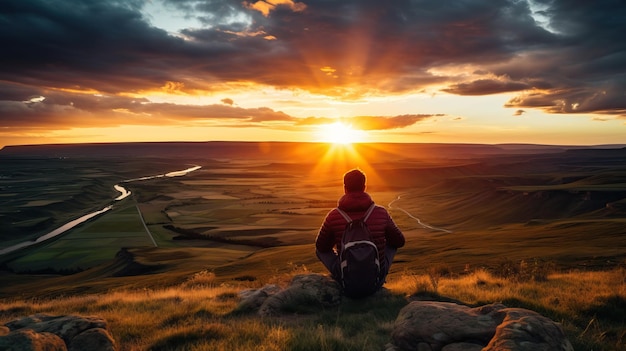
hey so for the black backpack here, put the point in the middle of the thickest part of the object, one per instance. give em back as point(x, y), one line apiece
point(360, 267)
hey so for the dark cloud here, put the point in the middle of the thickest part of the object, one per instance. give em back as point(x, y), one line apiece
point(575, 63)
point(605, 98)
point(106, 46)
point(486, 87)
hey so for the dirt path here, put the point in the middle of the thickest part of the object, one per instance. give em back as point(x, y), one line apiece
point(145, 226)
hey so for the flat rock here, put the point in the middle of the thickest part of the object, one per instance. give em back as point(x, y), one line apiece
point(305, 291)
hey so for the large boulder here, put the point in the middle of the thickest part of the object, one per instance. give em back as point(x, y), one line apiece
point(29, 340)
point(45, 332)
point(305, 292)
point(445, 326)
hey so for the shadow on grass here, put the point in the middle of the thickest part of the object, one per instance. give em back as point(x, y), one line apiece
point(362, 324)
point(610, 308)
point(183, 339)
point(353, 324)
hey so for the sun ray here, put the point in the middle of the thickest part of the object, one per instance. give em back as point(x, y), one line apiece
point(340, 158)
point(345, 148)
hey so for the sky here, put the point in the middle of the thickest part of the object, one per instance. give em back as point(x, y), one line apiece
point(419, 71)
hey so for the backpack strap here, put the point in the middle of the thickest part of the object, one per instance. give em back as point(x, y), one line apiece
point(367, 214)
point(369, 211)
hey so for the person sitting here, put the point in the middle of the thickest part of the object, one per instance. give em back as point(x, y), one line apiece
point(355, 202)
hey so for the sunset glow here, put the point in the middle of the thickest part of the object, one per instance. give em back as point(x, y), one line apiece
point(285, 70)
point(340, 133)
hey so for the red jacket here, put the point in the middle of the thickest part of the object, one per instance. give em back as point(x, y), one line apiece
point(382, 228)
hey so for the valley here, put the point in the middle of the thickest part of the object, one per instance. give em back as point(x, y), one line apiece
point(253, 210)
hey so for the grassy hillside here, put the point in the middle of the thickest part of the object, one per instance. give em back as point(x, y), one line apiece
point(201, 313)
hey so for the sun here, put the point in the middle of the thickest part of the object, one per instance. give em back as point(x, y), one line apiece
point(340, 133)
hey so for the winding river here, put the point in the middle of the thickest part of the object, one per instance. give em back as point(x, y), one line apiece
point(419, 221)
point(124, 193)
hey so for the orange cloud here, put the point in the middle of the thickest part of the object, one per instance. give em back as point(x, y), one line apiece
point(265, 7)
point(371, 122)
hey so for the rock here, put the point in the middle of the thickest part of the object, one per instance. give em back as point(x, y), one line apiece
point(66, 327)
point(29, 340)
point(462, 346)
point(93, 339)
point(524, 330)
point(4, 330)
point(310, 290)
point(445, 326)
point(305, 291)
point(69, 330)
point(252, 299)
point(442, 323)
point(422, 346)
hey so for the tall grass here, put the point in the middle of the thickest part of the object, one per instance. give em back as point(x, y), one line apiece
point(198, 314)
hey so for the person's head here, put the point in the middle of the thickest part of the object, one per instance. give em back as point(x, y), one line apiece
point(354, 181)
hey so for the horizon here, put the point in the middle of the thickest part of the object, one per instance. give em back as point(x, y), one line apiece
point(516, 72)
point(328, 143)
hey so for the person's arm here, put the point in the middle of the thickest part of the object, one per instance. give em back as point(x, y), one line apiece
point(393, 234)
point(325, 240)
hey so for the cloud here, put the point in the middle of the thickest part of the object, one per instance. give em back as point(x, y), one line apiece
point(572, 62)
point(519, 113)
point(385, 123)
point(265, 7)
point(607, 98)
point(52, 109)
point(371, 122)
point(486, 87)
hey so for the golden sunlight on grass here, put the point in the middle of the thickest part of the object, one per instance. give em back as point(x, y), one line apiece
point(200, 313)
